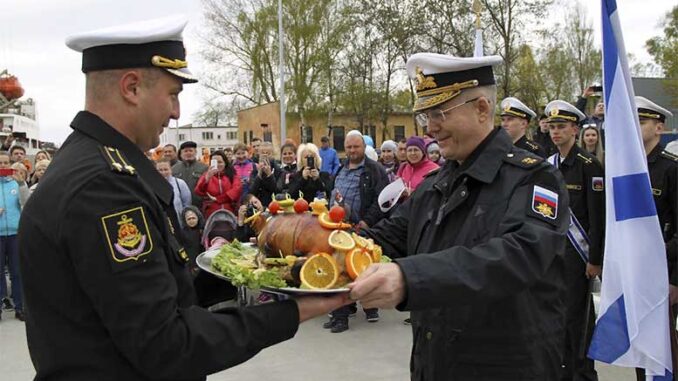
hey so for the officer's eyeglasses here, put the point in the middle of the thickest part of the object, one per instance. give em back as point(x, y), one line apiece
point(437, 115)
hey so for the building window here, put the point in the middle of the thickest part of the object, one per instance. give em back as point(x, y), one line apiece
point(232, 136)
point(218, 137)
point(338, 138)
point(266, 132)
point(399, 133)
point(207, 136)
point(182, 137)
point(251, 135)
point(244, 137)
point(372, 132)
point(308, 135)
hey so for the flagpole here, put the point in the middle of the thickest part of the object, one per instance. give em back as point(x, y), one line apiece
point(281, 66)
point(478, 48)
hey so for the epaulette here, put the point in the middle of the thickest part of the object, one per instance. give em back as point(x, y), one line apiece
point(117, 161)
point(669, 155)
point(523, 159)
point(433, 172)
point(585, 159)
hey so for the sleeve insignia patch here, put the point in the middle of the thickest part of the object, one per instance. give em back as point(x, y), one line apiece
point(598, 184)
point(545, 202)
point(127, 234)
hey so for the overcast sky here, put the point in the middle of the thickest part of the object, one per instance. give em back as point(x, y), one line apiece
point(32, 46)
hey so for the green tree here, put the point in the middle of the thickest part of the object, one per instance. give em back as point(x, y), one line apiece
point(664, 50)
point(586, 59)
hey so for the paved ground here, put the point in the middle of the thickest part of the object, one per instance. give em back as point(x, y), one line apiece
point(368, 351)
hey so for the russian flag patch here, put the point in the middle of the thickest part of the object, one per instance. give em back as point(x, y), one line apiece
point(545, 202)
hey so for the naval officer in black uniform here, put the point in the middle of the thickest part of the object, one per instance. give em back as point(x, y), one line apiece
point(584, 252)
point(515, 119)
point(107, 288)
point(479, 245)
point(663, 168)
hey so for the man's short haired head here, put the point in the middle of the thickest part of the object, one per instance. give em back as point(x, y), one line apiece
point(563, 120)
point(354, 145)
point(515, 117)
point(652, 118)
point(17, 153)
point(134, 74)
point(455, 100)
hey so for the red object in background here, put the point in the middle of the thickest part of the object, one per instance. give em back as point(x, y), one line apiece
point(4, 172)
point(10, 87)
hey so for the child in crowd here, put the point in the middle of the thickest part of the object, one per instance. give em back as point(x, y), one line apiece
point(193, 224)
point(433, 153)
point(243, 166)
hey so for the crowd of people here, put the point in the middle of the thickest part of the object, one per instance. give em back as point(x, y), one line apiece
point(19, 177)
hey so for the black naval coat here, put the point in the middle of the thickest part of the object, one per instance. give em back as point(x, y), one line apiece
point(530, 146)
point(106, 286)
point(585, 181)
point(663, 168)
point(481, 254)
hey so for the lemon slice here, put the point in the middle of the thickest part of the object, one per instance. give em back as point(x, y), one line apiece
point(340, 240)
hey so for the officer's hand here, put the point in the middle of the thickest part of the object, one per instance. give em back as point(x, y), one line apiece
point(593, 271)
point(313, 306)
point(673, 294)
point(379, 286)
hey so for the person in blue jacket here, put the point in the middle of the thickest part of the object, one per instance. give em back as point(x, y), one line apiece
point(330, 159)
point(13, 193)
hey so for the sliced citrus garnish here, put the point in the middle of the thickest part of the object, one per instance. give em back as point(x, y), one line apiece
point(376, 254)
point(357, 260)
point(327, 223)
point(319, 272)
point(366, 243)
point(340, 240)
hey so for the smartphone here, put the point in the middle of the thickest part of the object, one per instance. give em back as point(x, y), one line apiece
point(310, 162)
point(4, 172)
point(213, 164)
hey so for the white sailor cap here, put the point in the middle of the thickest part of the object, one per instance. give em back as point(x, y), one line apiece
point(650, 110)
point(514, 107)
point(442, 77)
point(152, 43)
point(561, 111)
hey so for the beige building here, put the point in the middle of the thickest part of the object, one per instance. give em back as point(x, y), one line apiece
point(264, 122)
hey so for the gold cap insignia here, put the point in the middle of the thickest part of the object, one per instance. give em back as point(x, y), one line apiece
point(160, 61)
point(554, 112)
point(423, 82)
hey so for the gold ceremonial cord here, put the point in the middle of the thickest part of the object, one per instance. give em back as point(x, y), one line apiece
point(650, 116)
point(160, 61)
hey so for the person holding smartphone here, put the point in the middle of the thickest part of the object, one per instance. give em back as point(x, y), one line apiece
point(219, 187)
point(309, 179)
point(596, 119)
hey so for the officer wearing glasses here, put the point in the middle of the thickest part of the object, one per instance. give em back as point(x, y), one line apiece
point(478, 246)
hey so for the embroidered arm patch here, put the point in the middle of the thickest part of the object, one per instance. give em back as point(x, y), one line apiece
point(127, 237)
point(543, 204)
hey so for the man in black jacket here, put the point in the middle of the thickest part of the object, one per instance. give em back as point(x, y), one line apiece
point(479, 244)
point(357, 187)
point(105, 272)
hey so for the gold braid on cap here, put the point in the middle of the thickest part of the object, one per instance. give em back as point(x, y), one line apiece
point(555, 114)
point(159, 61)
point(442, 94)
point(649, 116)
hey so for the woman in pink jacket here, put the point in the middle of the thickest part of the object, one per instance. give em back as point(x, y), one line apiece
point(417, 165)
point(219, 187)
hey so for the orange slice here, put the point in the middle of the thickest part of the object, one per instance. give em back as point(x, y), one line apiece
point(376, 254)
point(327, 223)
point(319, 272)
point(357, 260)
point(340, 240)
point(366, 243)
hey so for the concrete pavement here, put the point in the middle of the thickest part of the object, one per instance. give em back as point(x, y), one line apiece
point(368, 351)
